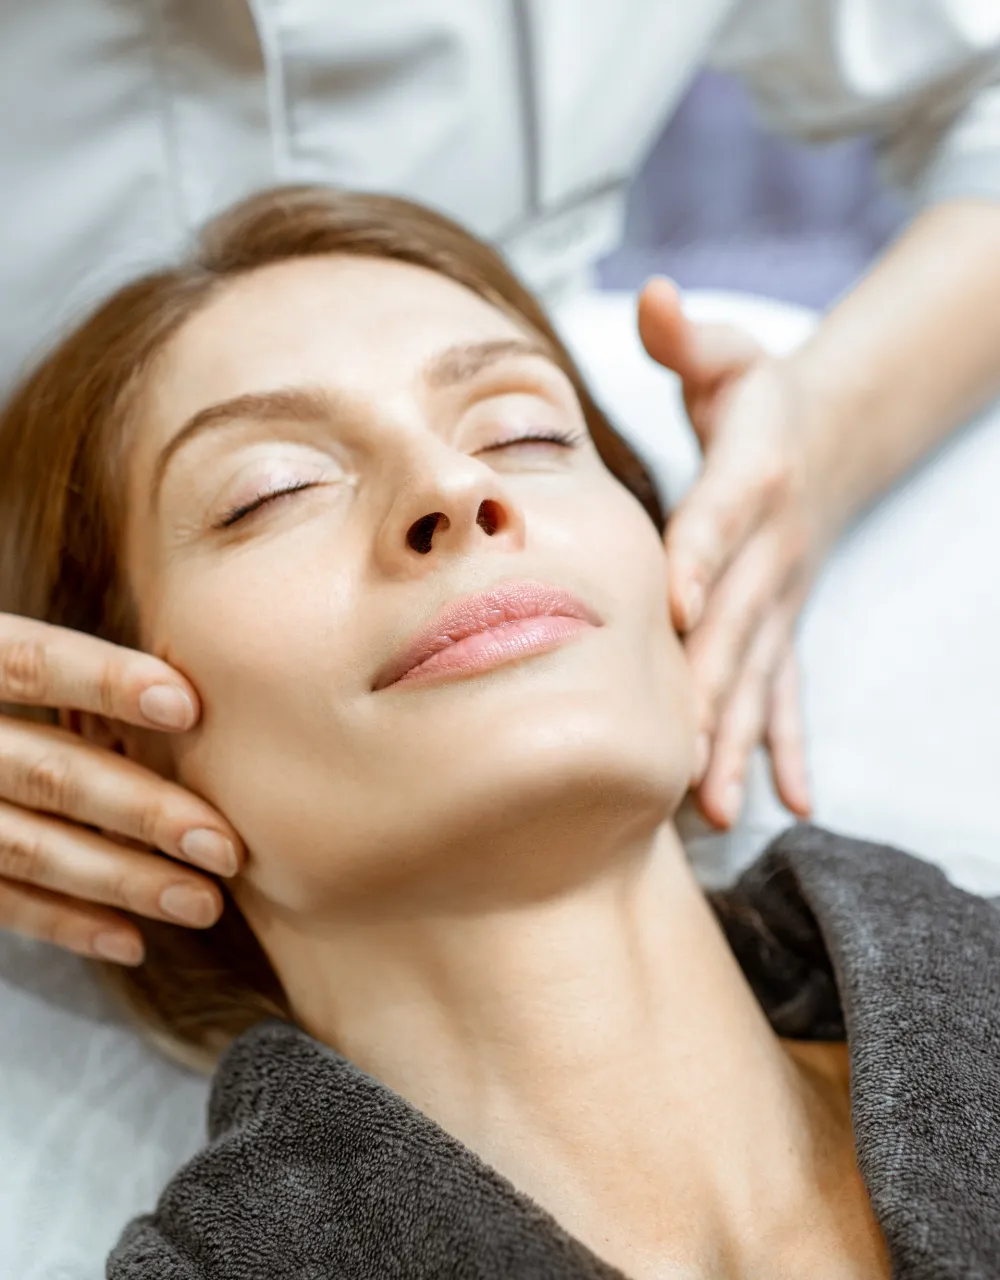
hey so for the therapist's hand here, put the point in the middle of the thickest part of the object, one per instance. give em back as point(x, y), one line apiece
point(80, 825)
point(743, 547)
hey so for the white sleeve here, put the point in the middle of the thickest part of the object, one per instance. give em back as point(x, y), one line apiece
point(921, 76)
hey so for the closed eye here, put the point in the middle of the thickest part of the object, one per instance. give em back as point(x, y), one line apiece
point(566, 438)
point(236, 514)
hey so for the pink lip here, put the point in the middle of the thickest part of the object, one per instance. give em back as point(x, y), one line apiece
point(475, 633)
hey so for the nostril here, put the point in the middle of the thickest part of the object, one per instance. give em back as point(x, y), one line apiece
point(420, 535)
point(489, 517)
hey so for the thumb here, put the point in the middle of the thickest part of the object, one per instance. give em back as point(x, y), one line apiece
point(665, 330)
point(700, 354)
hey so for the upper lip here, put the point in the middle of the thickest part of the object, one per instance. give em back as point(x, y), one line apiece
point(473, 613)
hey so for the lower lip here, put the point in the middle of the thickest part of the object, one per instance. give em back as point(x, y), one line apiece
point(521, 638)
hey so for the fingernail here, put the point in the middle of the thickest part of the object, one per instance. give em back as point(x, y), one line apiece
point(210, 850)
point(733, 801)
point(166, 707)
point(702, 755)
point(694, 604)
point(188, 904)
point(122, 948)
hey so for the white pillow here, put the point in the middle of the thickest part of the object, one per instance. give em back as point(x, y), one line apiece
point(901, 653)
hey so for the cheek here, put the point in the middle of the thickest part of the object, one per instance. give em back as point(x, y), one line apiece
point(643, 575)
point(265, 650)
point(615, 542)
point(606, 536)
point(239, 633)
point(636, 549)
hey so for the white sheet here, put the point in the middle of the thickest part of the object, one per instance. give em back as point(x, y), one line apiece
point(901, 653)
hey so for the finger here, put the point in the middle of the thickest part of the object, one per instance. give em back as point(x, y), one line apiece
point(49, 854)
point(744, 719)
point(700, 354)
point(751, 588)
point(74, 926)
point(48, 769)
point(723, 508)
point(786, 738)
point(46, 666)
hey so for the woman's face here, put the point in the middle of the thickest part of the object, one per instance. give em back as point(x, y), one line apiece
point(330, 453)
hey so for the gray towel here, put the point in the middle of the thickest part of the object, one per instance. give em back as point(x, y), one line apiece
point(315, 1169)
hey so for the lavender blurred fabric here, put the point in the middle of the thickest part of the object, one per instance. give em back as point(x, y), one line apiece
point(722, 204)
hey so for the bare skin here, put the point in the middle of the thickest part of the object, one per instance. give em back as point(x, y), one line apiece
point(495, 917)
point(894, 368)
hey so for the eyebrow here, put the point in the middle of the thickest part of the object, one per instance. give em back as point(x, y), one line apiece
point(448, 368)
point(465, 360)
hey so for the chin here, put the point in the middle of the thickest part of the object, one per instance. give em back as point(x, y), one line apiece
point(574, 719)
point(504, 788)
point(542, 798)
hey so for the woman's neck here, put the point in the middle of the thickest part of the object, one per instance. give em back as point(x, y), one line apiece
point(601, 1049)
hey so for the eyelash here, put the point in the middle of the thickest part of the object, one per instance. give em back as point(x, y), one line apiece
point(554, 436)
point(262, 499)
point(568, 439)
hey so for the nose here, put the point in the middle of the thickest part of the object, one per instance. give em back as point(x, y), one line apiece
point(450, 505)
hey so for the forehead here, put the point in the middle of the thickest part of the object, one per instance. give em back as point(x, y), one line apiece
point(361, 324)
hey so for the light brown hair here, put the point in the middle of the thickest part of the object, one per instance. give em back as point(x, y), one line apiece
point(63, 438)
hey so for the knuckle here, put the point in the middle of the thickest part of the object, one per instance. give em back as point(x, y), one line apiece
point(762, 658)
point(148, 823)
point(21, 856)
point(761, 664)
point(749, 729)
point(731, 758)
point(23, 671)
point(48, 785)
point(107, 687)
point(742, 725)
point(775, 482)
point(64, 929)
point(121, 891)
point(728, 525)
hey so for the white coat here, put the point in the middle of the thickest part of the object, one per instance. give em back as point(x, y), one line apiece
point(125, 123)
